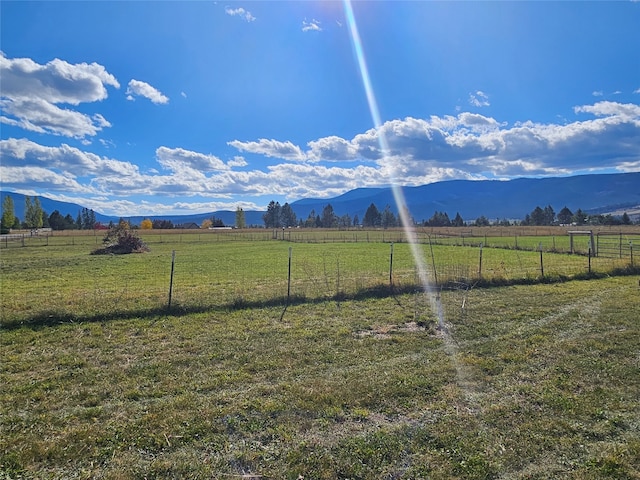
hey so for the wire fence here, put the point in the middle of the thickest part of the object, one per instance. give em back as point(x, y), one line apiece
point(54, 279)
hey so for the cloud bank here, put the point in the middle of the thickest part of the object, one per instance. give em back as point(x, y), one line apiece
point(421, 151)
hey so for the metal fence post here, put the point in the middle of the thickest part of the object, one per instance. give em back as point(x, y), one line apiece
point(391, 267)
point(173, 261)
point(289, 277)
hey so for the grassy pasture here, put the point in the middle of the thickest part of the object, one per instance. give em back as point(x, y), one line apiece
point(57, 279)
point(537, 381)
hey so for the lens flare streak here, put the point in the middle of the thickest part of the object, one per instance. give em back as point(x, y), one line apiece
point(398, 194)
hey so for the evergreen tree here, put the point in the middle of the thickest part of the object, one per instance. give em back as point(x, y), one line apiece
point(439, 219)
point(388, 219)
point(344, 221)
point(328, 219)
point(69, 223)
point(537, 216)
point(458, 221)
point(56, 221)
point(85, 219)
point(372, 217)
point(549, 215)
point(272, 217)
point(288, 216)
point(482, 221)
point(565, 216)
point(625, 219)
point(311, 219)
point(580, 218)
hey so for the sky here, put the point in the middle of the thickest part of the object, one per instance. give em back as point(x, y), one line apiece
point(166, 107)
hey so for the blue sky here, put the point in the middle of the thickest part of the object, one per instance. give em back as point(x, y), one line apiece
point(151, 108)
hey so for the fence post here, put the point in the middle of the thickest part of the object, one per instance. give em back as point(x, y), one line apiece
point(173, 261)
point(541, 264)
point(631, 252)
point(391, 267)
point(620, 243)
point(337, 277)
point(589, 259)
point(480, 265)
point(289, 277)
point(433, 262)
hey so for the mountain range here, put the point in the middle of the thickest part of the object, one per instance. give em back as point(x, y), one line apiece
point(493, 199)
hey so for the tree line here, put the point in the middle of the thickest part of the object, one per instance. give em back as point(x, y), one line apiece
point(36, 217)
point(283, 216)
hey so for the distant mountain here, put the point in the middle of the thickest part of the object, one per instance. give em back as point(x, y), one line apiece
point(513, 200)
point(494, 199)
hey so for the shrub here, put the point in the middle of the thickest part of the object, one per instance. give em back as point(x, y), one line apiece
point(120, 239)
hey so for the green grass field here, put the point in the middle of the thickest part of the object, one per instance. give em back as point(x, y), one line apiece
point(57, 279)
point(522, 381)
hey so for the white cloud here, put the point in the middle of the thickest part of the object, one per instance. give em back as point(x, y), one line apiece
point(610, 109)
point(312, 26)
point(237, 162)
point(64, 159)
point(41, 178)
point(107, 143)
point(178, 159)
point(270, 148)
point(31, 93)
point(597, 93)
point(479, 145)
point(637, 91)
point(143, 89)
point(331, 149)
point(38, 115)
point(240, 12)
point(479, 99)
point(55, 82)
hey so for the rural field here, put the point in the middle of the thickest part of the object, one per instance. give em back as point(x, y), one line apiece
point(257, 355)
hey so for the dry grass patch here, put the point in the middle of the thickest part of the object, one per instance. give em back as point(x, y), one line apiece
point(527, 382)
